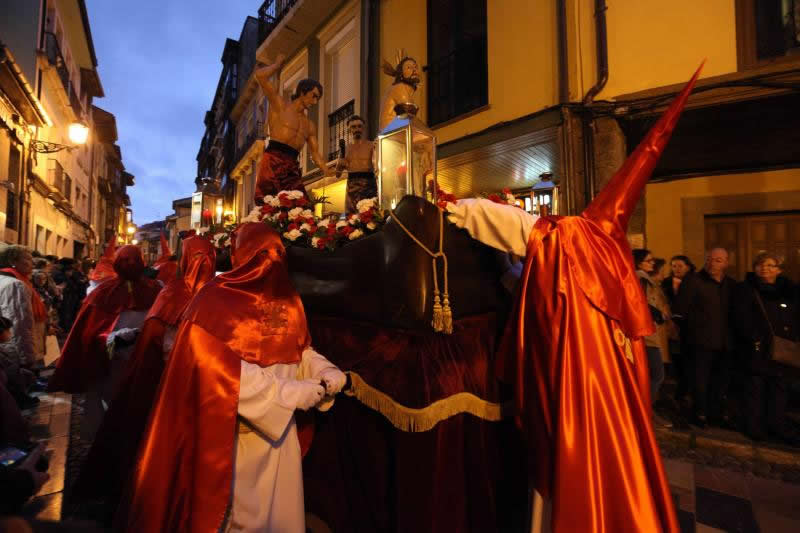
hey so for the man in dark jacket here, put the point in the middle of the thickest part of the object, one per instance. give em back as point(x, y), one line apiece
point(702, 308)
point(764, 307)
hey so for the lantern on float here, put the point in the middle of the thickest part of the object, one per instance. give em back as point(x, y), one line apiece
point(406, 159)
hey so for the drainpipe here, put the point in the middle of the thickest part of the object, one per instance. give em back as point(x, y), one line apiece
point(563, 67)
point(601, 31)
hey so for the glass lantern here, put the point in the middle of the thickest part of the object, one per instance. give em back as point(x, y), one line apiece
point(406, 159)
point(545, 195)
point(205, 203)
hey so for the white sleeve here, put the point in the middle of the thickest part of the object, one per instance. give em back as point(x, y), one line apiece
point(311, 366)
point(503, 227)
point(264, 401)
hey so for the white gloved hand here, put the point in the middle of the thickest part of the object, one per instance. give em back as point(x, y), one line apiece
point(334, 380)
point(303, 394)
point(128, 334)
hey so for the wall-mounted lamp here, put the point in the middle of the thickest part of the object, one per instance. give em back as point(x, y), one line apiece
point(78, 133)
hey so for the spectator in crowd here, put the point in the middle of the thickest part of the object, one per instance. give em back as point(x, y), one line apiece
point(644, 261)
point(13, 427)
point(703, 307)
point(680, 266)
point(765, 306)
point(16, 265)
point(73, 292)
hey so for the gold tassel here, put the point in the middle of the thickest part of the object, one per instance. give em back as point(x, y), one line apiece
point(447, 316)
point(437, 321)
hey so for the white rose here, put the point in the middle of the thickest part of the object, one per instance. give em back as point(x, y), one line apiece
point(371, 226)
point(365, 205)
point(296, 212)
point(324, 223)
point(293, 235)
point(305, 227)
point(314, 241)
point(275, 201)
point(341, 224)
point(353, 220)
point(253, 216)
point(307, 213)
point(355, 234)
point(268, 199)
point(295, 195)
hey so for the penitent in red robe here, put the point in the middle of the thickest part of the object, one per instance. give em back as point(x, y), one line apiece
point(575, 356)
point(84, 358)
point(113, 452)
point(184, 473)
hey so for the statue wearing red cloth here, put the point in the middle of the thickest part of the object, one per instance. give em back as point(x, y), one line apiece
point(574, 352)
point(221, 447)
point(113, 451)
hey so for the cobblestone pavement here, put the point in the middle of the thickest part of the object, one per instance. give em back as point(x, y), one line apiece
point(720, 480)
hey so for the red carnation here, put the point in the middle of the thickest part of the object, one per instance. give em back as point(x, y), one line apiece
point(291, 226)
point(496, 199)
point(284, 200)
point(367, 216)
point(283, 215)
point(301, 202)
point(346, 230)
point(506, 191)
point(331, 229)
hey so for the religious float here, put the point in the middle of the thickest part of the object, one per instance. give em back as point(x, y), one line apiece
point(413, 309)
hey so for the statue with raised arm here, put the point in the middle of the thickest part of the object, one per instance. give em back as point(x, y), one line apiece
point(357, 159)
point(289, 130)
point(406, 79)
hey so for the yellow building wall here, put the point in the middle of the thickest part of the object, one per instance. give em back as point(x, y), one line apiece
point(523, 58)
point(651, 44)
point(664, 217)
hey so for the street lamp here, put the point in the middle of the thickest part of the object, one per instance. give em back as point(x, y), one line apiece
point(134, 242)
point(205, 201)
point(78, 133)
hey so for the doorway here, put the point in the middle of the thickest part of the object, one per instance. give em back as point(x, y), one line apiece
point(746, 235)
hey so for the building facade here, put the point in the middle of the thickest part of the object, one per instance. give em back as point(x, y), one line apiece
point(548, 98)
point(60, 195)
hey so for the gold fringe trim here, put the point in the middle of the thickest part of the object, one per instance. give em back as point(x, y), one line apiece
point(419, 420)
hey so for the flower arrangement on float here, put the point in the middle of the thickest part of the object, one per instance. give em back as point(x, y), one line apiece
point(291, 214)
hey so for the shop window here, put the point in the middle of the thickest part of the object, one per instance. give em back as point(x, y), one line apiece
point(12, 198)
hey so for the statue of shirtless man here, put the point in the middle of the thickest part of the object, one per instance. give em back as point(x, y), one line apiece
point(289, 130)
point(406, 79)
point(357, 160)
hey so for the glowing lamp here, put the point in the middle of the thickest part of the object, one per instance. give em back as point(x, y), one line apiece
point(406, 158)
point(78, 132)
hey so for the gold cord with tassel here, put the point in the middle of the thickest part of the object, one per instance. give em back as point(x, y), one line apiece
point(442, 314)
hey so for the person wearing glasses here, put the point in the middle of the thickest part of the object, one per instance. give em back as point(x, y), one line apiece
point(702, 308)
point(765, 307)
point(657, 302)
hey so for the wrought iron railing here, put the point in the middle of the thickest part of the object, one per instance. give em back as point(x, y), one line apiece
point(270, 14)
point(256, 133)
point(458, 82)
point(55, 58)
point(337, 128)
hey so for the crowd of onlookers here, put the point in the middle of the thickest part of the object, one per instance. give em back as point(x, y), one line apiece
point(39, 297)
point(716, 336)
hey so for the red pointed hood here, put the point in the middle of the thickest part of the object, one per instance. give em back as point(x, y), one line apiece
point(105, 266)
point(166, 253)
point(612, 208)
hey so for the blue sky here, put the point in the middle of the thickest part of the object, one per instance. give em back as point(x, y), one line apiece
point(159, 62)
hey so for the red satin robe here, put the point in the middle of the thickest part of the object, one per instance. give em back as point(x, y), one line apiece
point(113, 452)
point(582, 385)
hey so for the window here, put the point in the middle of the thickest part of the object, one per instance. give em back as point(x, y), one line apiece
point(767, 31)
point(337, 128)
point(67, 186)
point(458, 69)
point(13, 187)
